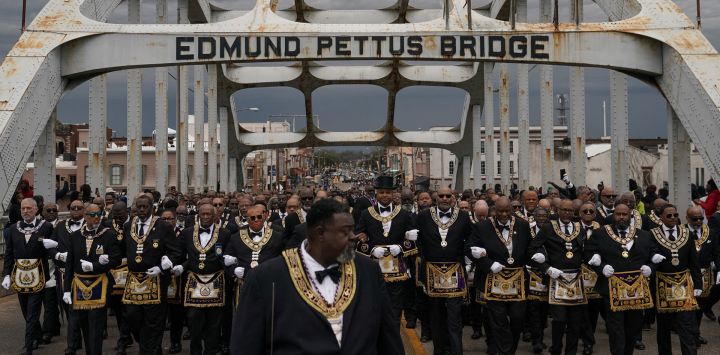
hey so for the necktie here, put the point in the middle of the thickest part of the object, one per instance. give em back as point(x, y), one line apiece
point(385, 209)
point(447, 214)
point(623, 234)
point(334, 274)
point(142, 229)
point(695, 235)
point(567, 229)
point(670, 235)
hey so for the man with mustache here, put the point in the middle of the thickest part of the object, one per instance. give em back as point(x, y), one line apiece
point(318, 298)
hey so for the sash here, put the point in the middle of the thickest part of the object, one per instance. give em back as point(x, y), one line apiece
point(507, 285)
point(205, 290)
point(567, 290)
point(589, 281)
point(393, 268)
point(119, 275)
point(629, 290)
point(89, 291)
point(707, 281)
point(675, 292)
point(445, 280)
point(141, 289)
point(174, 290)
point(537, 290)
point(27, 276)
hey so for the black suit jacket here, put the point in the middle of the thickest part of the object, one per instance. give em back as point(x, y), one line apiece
point(295, 239)
point(484, 236)
point(237, 248)
point(714, 221)
point(549, 243)
point(687, 255)
point(61, 235)
point(160, 242)
point(403, 222)
point(213, 257)
point(16, 248)
point(271, 312)
point(429, 238)
point(106, 243)
point(361, 204)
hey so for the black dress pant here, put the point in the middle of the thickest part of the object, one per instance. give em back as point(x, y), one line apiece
point(51, 316)
point(396, 290)
point(410, 309)
point(176, 317)
point(506, 323)
point(31, 306)
point(422, 302)
point(623, 329)
point(205, 324)
point(568, 323)
point(446, 319)
point(593, 309)
point(147, 324)
point(476, 311)
point(685, 324)
point(125, 338)
point(227, 315)
point(92, 324)
point(536, 318)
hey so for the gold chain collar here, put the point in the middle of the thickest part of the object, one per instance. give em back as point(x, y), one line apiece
point(450, 222)
point(376, 215)
point(511, 230)
point(630, 236)
point(561, 233)
point(146, 233)
point(654, 218)
point(703, 237)
point(683, 234)
point(67, 225)
point(213, 238)
point(245, 237)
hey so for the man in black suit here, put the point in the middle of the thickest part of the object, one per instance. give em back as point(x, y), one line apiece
point(363, 202)
point(501, 247)
point(616, 252)
point(117, 223)
point(706, 245)
point(595, 306)
point(606, 206)
point(291, 305)
point(442, 233)
point(714, 220)
point(94, 251)
point(388, 234)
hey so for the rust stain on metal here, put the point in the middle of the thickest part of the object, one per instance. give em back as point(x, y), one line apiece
point(430, 43)
point(548, 154)
point(3, 105)
point(578, 142)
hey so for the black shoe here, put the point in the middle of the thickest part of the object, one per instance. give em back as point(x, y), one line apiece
point(646, 327)
point(226, 350)
point(46, 338)
point(425, 339)
point(587, 350)
point(537, 348)
point(186, 336)
point(69, 352)
point(710, 314)
point(411, 324)
point(477, 334)
point(639, 345)
point(526, 337)
point(105, 335)
point(120, 351)
point(34, 345)
point(175, 348)
point(700, 340)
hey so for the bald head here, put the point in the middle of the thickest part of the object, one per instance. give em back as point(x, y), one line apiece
point(481, 210)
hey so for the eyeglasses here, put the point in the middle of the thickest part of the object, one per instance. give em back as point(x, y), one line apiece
point(51, 210)
point(76, 208)
point(444, 195)
point(218, 205)
point(93, 214)
point(588, 211)
point(672, 215)
point(516, 207)
point(255, 218)
point(168, 218)
point(695, 218)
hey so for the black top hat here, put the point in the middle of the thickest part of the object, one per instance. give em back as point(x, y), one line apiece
point(385, 182)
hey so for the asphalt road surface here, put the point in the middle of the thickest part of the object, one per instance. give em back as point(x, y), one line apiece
point(12, 330)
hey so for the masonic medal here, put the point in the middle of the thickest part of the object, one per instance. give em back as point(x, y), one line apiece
point(675, 261)
point(201, 265)
point(510, 260)
point(443, 244)
point(138, 259)
point(253, 264)
point(625, 254)
point(569, 255)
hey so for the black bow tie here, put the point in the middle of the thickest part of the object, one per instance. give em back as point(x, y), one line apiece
point(204, 230)
point(255, 234)
point(75, 223)
point(447, 214)
point(334, 274)
point(502, 227)
point(385, 209)
point(27, 225)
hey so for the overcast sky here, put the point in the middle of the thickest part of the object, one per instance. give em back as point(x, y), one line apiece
point(358, 108)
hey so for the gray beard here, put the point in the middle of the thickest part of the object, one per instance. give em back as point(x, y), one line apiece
point(347, 255)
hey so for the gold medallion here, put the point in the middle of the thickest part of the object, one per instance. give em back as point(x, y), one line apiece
point(138, 259)
point(625, 254)
point(675, 261)
point(443, 244)
point(201, 265)
point(253, 264)
point(569, 255)
point(510, 260)
point(155, 244)
point(385, 234)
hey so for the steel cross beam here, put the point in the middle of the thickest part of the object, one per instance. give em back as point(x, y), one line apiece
point(69, 42)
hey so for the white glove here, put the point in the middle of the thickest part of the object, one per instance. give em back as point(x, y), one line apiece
point(646, 270)
point(411, 235)
point(61, 256)
point(239, 272)
point(104, 259)
point(496, 267)
point(468, 267)
point(49, 243)
point(538, 258)
point(657, 258)
point(165, 263)
point(153, 271)
point(395, 249)
point(379, 252)
point(608, 270)
point(478, 252)
point(595, 260)
point(177, 270)
point(553, 272)
point(86, 265)
point(6, 282)
point(229, 260)
point(697, 293)
point(67, 298)
point(717, 279)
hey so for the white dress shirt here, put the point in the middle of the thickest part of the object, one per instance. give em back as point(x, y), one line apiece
point(257, 238)
point(667, 232)
point(443, 219)
point(569, 227)
point(145, 225)
point(76, 226)
point(205, 236)
point(386, 213)
point(629, 244)
point(327, 288)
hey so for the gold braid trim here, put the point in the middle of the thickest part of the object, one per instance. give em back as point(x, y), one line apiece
point(245, 237)
point(89, 291)
point(196, 239)
point(703, 237)
point(346, 287)
point(450, 222)
point(376, 215)
point(680, 239)
point(675, 292)
point(654, 218)
point(561, 234)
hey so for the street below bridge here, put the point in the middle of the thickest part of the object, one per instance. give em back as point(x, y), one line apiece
point(11, 337)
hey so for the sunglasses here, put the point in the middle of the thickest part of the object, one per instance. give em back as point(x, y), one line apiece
point(444, 196)
point(93, 214)
point(218, 205)
point(588, 211)
point(610, 196)
point(76, 208)
point(672, 215)
point(517, 207)
point(51, 210)
point(695, 219)
point(307, 198)
point(255, 218)
point(168, 218)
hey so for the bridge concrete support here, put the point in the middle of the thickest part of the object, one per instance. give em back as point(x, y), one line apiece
point(547, 122)
point(477, 138)
point(523, 107)
point(97, 144)
point(212, 129)
point(578, 157)
point(504, 126)
point(161, 113)
point(181, 132)
point(678, 161)
point(223, 156)
point(199, 145)
point(134, 119)
point(489, 113)
point(233, 175)
point(44, 172)
point(619, 140)
point(465, 162)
